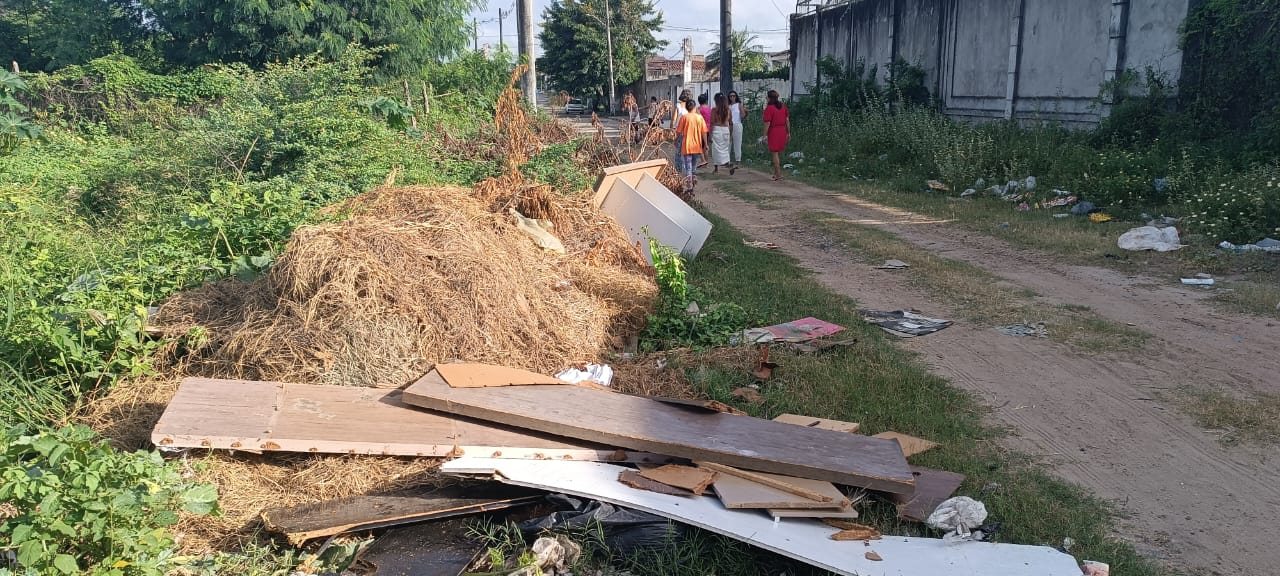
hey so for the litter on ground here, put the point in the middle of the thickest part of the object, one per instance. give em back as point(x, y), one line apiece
point(893, 265)
point(759, 244)
point(802, 330)
point(1150, 238)
point(1038, 330)
point(1270, 245)
point(903, 323)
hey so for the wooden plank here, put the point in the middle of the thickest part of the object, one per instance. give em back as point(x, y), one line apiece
point(738, 492)
point(707, 405)
point(468, 375)
point(815, 490)
point(693, 479)
point(932, 488)
point(307, 521)
point(804, 540)
point(641, 424)
point(272, 416)
point(823, 423)
point(443, 548)
point(818, 513)
point(910, 444)
point(634, 479)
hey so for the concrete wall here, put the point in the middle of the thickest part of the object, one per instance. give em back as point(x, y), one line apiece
point(1024, 59)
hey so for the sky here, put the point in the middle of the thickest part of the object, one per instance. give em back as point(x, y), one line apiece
point(697, 19)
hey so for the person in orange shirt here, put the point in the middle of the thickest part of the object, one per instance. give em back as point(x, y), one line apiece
point(692, 132)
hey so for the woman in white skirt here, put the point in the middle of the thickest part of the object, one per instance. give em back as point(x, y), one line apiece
point(721, 135)
point(737, 111)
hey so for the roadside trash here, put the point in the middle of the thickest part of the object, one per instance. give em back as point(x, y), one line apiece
point(958, 517)
point(758, 244)
point(979, 183)
point(764, 368)
point(1091, 568)
point(1067, 544)
point(910, 444)
point(1023, 207)
point(795, 172)
point(690, 478)
point(903, 323)
point(1004, 224)
point(601, 374)
point(1150, 238)
point(853, 531)
point(1059, 201)
point(797, 154)
point(893, 265)
point(788, 166)
point(1269, 245)
point(625, 531)
point(748, 394)
point(1162, 221)
point(1030, 183)
point(968, 192)
point(1062, 215)
point(692, 309)
point(445, 547)
point(644, 207)
point(871, 555)
point(1099, 217)
point(801, 330)
point(1038, 330)
point(1198, 281)
point(553, 553)
point(883, 157)
point(936, 185)
point(1160, 184)
point(538, 230)
point(1083, 208)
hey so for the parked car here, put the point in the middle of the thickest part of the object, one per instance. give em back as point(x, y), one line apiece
point(575, 106)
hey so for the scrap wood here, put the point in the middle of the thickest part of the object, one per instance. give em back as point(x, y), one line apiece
point(764, 368)
point(638, 481)
point(691, 478)
point(803, 540)
point(910, 444)
point(443, 548)
point(871, 555)
point(815, 490)
point(738, 492)
point(823, 423)
point(706, 405)
point(819, 513)
point(308, 521)
point(933, 487)
point(852, 530)
point(642, 424)
point(471, 375)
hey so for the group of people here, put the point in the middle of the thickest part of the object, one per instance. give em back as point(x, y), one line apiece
point(713, 135)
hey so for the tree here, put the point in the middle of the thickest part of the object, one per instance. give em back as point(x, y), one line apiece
point(50, 34)
point(575, 53)
point(407, 34)
point(748, 54)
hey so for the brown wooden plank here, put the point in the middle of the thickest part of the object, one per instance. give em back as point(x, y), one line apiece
point(307, 521)
point(823, 423)
point(444, 548)
point(271, 416)
point(707, 405)
point(693, 479)
point(815, 490)
point(467, 375)
point(636, 480)
point(932, 488)
point(910, 444)
point(848, 513)
point(738, 492)
point(641, 424)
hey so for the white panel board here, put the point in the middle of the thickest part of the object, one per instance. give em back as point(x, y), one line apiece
point(635, 213)
point(699, 228)
point(804, 540)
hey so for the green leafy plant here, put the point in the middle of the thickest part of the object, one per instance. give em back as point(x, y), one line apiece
point(14, 129)
point(69, 504)
point(684, 315)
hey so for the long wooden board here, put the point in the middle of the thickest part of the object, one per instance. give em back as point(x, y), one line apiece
point(272, 416)
point(811, 422)
point(804, 540)
point(307, 521)
point(642, 424)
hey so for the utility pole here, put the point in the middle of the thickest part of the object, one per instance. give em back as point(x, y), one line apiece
point(475, 33)
point(524, 18)
point(608, 35)
point(502, 39)
point(726, 46)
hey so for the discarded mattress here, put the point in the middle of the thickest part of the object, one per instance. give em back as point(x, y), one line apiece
point(807, 541)
point(649, 209)
point(1150, 238)
point(903, 323)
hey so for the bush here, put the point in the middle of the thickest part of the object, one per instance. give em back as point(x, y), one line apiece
point(684, 316)
point(71, 505)
point(1239, 208)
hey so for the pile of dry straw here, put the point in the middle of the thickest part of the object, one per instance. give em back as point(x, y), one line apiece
point(401, 278)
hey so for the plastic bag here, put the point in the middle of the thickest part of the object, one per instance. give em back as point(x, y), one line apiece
point(625, 531)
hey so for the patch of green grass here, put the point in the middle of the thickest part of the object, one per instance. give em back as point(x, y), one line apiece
point(977, 295)
point(1249, 419)
point(740, 191)
point(1256, 298)
point(884, 387)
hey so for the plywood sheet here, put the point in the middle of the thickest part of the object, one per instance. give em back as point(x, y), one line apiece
point(738, 492)
point(823, 423)
point(636, 215)
point(803, 540)
point(629, 173)
point(933, 487)
point(693, 479)
point(815, 490)
point(633, 479)
point(677, 210)
point(910, 444)
point(646, 425)
point(781, 513)
point(248, 415)
point(468, 375)
point(302, 523)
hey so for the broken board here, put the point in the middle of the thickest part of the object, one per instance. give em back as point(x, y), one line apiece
point(307, 521)
point(629, 173)
point(437, 549)
point(933, 487)
point(815, 490)
point(910, 444)
point(781, 513)
point(469, 375)
point(633, 479)
point(823, 423)
point(801, 539)
point(739, 492)
point(248, 415)
point(642, 424)
point(693, 479)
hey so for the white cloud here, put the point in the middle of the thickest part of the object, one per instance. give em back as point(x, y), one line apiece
point(697, 19)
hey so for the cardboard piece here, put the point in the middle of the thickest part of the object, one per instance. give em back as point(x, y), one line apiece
point(635, 479)
point(738, 492)
point(648, 205)
point(822, 423)
point(815, 490)
point(933, 487)
point(693, 479)
point(910, 444)
point(468, 375)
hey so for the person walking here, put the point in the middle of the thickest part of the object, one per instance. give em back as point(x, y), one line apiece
point(680, 110)
point(777, 130)
point(706, 121)
point(690, 133)
point(737, 112)
point(721, 135)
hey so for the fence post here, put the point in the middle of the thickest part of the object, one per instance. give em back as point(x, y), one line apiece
point(1015, 53)
point(1116, 41)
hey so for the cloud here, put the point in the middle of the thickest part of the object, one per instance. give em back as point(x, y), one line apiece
point(697, 19)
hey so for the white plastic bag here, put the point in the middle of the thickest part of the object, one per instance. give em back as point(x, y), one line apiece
point(1150, 238)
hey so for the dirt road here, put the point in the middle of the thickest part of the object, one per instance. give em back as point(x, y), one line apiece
point(1100, 421)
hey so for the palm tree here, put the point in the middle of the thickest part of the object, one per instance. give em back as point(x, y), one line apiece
point(748, 54)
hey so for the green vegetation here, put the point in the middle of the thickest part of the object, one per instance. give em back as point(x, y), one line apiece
point(684, 316)
point(748, 54)
point(71, 505)
point(575, 49)
point(1254, 418)
point(14, 129)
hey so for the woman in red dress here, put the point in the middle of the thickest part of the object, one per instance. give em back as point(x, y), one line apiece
point(777, 130)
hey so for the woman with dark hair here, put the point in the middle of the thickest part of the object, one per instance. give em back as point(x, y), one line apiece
point(737, 111)
point(777, 130)
point(679, 112)
point(721, 135)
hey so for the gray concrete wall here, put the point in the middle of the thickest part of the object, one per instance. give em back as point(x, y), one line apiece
point(1024, 59)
